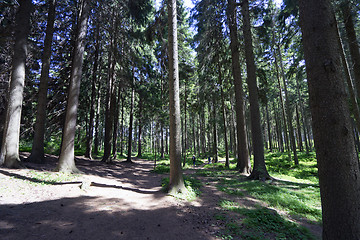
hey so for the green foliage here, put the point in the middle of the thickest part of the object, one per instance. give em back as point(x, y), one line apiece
point(261, 223)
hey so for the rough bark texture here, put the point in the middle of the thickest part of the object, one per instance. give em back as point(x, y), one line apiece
point(243, 152)
point(176, 183)
point(66, 158)
point(259, 170)
point(338, 163)
point(37, 151)
point(9, 155)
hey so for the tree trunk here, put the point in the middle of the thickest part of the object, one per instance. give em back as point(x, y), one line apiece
point(176, 183)
point(268, 127)
point(301, 149)
point(9, 155)
point(37, 150)
point(122, 126)
point(89, 140)
point(215, 144)
point(288, 111)
point(353, 43)
point(66, 158)
point(259, 169)
point(97, 119)
point(139, 155)
point(337, 159)
point(131, 123)
point(110, 102)
point(227, 161)
point(116, 123)
point(243, 163)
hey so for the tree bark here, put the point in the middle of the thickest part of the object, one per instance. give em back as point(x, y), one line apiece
point(259, 169)
point(227, 161)
point(37, 150)
point(176, 183)
point(89, 140)
point(353, 43)
point(66, 158)
point(288, 111)
point(337, 159)
point(9, 155)
point(110, 102)
point(243, 163)
point(131, 123)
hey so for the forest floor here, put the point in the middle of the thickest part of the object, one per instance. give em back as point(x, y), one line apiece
point(110, 201)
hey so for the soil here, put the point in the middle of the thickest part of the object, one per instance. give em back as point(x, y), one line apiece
point(109, 201)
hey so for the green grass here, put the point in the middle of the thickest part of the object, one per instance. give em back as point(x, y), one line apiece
point(260, 223)
point(192, 186)
point(49, 178)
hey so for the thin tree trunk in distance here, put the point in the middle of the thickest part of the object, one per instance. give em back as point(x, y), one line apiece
point(243, 164)
point(215, 137)
point(176, 183)
point(288, 111)
point(9, 155)
point(89, 141)
point(227, 161)
point(338, 164)
point(37, 150)
point(268, 127)
point(259, 169)
point(131, 123)
point(66, 158)
point(97, 119)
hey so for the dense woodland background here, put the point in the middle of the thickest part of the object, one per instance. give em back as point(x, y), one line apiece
point(124, 93)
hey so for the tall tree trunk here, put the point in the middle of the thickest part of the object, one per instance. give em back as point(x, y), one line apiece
point(299, 129)
point(9, 155)
point(176, 183)
point(259, 169)
point(89, 140)
point(116, 123)
point(338, 163)
point(302, 115)
point(139, 155)
point(122, 126)
point(110, 101)
point(66, 158)
point(353, 43)
point(37, 150)
point(97, 119)
point(288, 111)
point(215, 144)
point(268, 127)
point(243, 163)
point(353, 99)
point(227, 161)
point(131, 123)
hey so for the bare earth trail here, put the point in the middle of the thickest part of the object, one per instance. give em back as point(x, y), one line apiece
point(123, 201)
point(108, 201)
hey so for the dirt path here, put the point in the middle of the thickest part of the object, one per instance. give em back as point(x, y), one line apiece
point(124, 201)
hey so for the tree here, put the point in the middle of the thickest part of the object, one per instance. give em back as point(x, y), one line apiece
point(243, 152)
point(259, 169)
point(37, 150)
point(66, 158)
point(9, 155)
point(176, 183)
point(338, 162)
